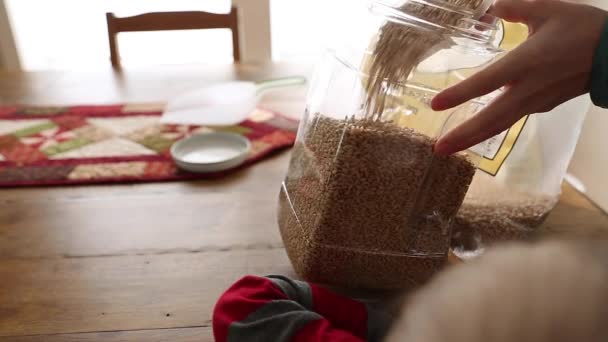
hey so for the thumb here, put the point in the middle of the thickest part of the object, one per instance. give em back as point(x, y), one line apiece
point(517, 11)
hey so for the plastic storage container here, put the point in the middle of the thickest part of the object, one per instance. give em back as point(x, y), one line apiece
point(519, 178)
point(366, 203)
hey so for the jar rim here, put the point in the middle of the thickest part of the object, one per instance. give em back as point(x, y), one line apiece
point(341, 58)
point(468, 26)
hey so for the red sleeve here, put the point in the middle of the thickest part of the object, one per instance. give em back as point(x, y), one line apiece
point(262, 309)
point(240, 300)
point(322, 331)
point(343, 312)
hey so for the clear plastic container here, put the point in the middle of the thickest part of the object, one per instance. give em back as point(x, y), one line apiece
point(518, 182)
point(366, 203)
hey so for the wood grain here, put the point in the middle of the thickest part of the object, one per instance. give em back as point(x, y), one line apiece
point(194, 219)
point(136, 224)
point(168, 21)
point(262, 177)
point(157, 84)
point(69, 295)
point(109, 263)
point(201, 334)
point(575, 216)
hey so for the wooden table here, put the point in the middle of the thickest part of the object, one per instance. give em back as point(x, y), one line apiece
point(147, 262)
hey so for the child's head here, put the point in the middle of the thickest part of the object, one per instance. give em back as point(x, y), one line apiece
point(551, 292)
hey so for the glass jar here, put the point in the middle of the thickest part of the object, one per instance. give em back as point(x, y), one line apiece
point(519, 178)
point(366, 203)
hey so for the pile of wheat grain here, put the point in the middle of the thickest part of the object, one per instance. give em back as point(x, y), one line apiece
point(493, 213)
point(368, 204)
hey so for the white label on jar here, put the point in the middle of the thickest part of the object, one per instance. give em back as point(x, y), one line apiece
point(489, 148)
point(497, 149)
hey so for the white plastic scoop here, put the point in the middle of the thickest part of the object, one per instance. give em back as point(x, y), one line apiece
point(221, 104)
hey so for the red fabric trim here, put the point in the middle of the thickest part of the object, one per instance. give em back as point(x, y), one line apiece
point(263, 132)
point(103, 109)
point(11, 112)
point(240, 300)
point(182, 175)
point(322, 331)
point(85, 161)
point(6, 111)
point(17, 116)
point(343, 313)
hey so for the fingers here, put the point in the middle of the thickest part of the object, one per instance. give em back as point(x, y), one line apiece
point(506, 110)
point(515, 11)
point(486, 19)
point(478, 129)
point(509, 68)
point(558, 93)
point(498, 116)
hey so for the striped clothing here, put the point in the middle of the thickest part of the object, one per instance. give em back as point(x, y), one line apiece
point(280, 309)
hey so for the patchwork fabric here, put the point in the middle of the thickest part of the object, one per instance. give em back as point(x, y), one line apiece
point(113, 143)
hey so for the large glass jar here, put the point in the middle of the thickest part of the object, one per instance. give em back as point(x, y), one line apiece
point(366, 203)
point(519, 178)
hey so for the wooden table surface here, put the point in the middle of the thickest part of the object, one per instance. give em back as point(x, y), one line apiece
point(147, 262)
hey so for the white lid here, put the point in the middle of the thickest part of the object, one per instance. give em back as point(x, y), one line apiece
point(211, 152)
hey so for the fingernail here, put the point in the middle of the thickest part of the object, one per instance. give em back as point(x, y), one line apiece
point(442, 148)
point(437, 104)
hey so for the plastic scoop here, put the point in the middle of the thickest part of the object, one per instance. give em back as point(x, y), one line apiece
point(222, 104)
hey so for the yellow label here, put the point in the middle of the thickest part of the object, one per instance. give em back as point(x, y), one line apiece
point(492, 162)
point(413, 110)
point(501, 146)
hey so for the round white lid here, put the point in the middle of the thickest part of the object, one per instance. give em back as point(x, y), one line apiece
point(211, 152)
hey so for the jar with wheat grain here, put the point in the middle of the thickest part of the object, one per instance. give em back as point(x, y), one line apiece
point(519, 179)
point(366, 203)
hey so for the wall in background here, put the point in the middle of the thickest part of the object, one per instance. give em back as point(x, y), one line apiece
point(304, 29)
point(254, 30)
point(9, 59)
point(590, 162)
point(72, 34)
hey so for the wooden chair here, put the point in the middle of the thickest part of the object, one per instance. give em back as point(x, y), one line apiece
point(167, 21)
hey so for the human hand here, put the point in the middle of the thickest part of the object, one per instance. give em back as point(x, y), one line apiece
point(551, 67)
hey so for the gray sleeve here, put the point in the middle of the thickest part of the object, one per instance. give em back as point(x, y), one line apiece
point(278, 320)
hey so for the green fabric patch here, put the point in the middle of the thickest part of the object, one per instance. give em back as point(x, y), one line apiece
point(156, 143)
point(42, 110)
point(34, 129)
point(66, 146)
point(232, 129)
